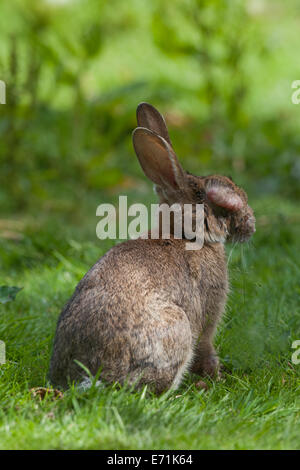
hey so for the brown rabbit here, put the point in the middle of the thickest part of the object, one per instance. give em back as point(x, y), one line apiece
point(147, 311)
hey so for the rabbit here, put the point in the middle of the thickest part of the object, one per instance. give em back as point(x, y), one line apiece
point(147, 311)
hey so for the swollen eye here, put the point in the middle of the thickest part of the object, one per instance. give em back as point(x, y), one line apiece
point(224, 197)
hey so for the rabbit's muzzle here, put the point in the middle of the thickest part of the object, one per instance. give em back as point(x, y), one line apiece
point(243, 226)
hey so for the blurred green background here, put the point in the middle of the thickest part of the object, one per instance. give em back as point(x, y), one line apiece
point(220, 71)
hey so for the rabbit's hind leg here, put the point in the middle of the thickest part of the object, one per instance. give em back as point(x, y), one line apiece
point(168, 348)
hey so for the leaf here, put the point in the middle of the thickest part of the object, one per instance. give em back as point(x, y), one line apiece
point(92, 40)
point(8, 293)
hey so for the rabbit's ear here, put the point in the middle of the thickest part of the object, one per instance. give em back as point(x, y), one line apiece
point(157, 158)
point(225, 197)
point(148, 117)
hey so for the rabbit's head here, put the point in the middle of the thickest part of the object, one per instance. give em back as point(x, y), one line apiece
point(227, 215)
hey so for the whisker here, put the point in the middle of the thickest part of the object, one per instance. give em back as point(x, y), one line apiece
point(230, 253)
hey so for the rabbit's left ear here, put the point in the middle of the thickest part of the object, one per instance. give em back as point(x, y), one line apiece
point(158, 160)
point(225, 197)
point(148, 117)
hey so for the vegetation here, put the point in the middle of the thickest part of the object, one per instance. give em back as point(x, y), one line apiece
point(221, 72)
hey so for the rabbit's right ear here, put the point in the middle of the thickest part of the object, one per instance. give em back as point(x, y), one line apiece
point(148, 117)
point(157, 158)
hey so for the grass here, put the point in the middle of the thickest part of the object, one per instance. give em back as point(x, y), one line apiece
point(256, 406)
point(48, 250)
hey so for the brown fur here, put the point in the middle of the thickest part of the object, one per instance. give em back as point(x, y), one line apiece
point(147, 311)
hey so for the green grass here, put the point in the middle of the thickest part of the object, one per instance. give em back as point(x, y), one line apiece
point(62, 168)
point(256, 406)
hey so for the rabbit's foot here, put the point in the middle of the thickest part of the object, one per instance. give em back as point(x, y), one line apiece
point(207, 365)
